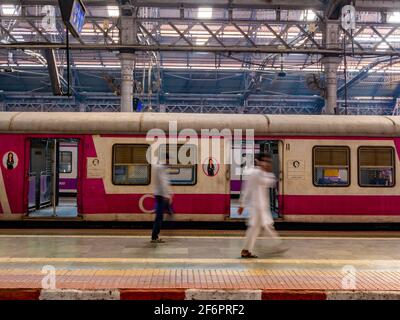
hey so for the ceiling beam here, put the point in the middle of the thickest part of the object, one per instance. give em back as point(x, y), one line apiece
point(256, 4)
point(362, 74)
point(194, 48)
point(361, 5)
point(165, 20)
point(377, 5)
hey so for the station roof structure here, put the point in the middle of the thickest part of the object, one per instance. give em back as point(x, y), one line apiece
point(255, 56)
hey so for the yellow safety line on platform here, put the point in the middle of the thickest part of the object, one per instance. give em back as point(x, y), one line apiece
point(196, 237)
point(219, 261)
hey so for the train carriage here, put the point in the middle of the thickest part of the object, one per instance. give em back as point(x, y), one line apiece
point(68, 168)
point(330, 168)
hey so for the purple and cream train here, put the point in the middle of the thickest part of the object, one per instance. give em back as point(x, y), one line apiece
point(330, 168)
point(68, 168)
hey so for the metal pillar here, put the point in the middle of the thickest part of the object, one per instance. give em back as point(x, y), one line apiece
point(127, 65)
point(244, 106)
point(128, 33)
point(331, 64)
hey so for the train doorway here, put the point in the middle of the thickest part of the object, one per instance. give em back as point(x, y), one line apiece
point(53, 173)
point(238, 178)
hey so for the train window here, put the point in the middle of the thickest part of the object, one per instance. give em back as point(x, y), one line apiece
point(65, 162)
point(376, 166)
point(331, 166)
point(182, 167)
point(130, 166)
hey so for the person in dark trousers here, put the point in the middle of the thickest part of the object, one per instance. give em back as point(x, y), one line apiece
point(163, 197)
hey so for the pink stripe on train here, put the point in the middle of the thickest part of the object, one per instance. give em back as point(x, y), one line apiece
point(340, 205)
point(98, 201)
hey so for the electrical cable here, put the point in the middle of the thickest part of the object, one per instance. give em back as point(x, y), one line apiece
point(68, 65)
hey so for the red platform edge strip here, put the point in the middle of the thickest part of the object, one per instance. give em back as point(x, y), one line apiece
point(167, 294)
point(293, 295)
point(151, 294)
point(20, 294)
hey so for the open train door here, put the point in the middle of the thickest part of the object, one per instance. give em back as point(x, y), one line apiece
point(238, 178)
point(274, 148)
point(52, 182)
point(41, 176)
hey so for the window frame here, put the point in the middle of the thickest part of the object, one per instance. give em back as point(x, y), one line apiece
point(349, 167)
point(113, 161)
point(183, 165)
point(59, 164)
point(359, 168)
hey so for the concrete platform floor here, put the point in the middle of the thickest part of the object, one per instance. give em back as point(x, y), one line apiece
point(199, 259)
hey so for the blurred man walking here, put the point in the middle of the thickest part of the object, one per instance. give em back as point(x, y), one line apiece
point(256, 198)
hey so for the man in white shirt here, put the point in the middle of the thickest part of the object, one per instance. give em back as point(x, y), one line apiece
point(256, 198)
point(163, 197)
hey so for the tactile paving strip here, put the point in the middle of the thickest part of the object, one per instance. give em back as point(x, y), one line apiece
point(203, 279)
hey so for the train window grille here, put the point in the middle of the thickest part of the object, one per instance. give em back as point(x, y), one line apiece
point(331, 166)
point(65, 162)
point(376, 167)
point(180, 173)
point(130, 166)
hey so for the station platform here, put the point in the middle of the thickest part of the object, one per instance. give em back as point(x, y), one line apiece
point(197, 265)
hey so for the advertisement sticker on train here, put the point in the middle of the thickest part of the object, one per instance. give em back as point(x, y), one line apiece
point(10, 160)
point(210, 167)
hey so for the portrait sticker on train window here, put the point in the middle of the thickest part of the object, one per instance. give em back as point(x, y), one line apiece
point(210, 167)
point(10, 160)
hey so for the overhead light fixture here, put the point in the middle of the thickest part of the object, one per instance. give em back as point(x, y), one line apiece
point(308, 15)
point(205, 13)
point(394, 17)
point(113, 11)
point(9, 10)
point(201, 41)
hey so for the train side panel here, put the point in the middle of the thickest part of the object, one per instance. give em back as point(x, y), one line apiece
point(208, 199)
point(13, 193)
point(305, 202)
